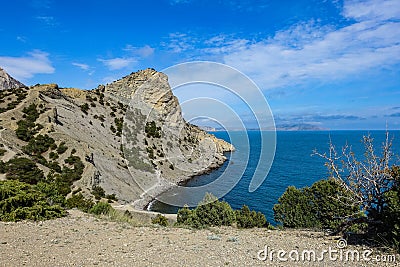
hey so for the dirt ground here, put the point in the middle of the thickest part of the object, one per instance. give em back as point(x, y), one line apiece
point(84, 240)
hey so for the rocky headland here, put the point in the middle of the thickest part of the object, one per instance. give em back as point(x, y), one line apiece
point(129, 134)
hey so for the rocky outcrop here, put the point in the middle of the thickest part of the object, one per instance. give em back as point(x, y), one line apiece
point(176, 150)
point(8, 82)
point(130, 135)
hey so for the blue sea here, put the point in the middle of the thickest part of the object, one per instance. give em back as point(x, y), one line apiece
point(293, 164)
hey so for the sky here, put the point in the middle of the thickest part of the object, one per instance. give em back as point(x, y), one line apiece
point(328, 64)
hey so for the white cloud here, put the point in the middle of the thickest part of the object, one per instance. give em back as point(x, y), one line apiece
point(310, 51)
point(21, 68)
point(49, 21)
point(372, 9)
point(143, 52)
point(81, 66)
point(118, 63)
point(21, 39)
point(177, 2)
point(179, 42)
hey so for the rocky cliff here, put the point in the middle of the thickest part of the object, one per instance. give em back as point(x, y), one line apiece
point(130, 135)
point(8, 82)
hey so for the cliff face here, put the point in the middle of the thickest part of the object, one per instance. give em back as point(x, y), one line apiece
point(8, 82)
point(130, 135)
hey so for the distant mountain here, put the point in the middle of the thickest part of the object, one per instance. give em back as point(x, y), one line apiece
point(8, 82)
point(207, 128)
point(298, 127)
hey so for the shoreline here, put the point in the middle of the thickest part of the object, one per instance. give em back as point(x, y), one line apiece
point(161, 189)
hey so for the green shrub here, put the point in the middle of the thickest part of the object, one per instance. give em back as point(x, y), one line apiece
point(249, 219)
point(51, 193)
point(80, 202)
point(295, 209)
point(160, 220)
point(61, 148)
point(24, 170)
point(391, 212)
point(209, 212)
point(119, 122)
point(38, 145)
point(85, 107)
point(112, 197)
point(322, 205)
point(53, 155)
point(152, 130)
point(21, 201)
point(25, 130)
point(101, 208)
point(184, 216)
point(98, 192)
point(31, 112)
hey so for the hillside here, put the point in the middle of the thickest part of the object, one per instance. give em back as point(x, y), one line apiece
point(113, 136)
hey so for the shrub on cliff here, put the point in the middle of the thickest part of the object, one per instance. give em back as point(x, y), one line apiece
point(98, 192)
point(152, 130)
point(23, 169)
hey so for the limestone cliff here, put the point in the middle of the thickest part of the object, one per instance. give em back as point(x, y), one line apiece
point(8, 82)
point(130, 135)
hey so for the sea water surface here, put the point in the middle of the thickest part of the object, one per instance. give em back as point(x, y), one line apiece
point(293, 165)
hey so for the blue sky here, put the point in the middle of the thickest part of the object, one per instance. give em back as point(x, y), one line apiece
point(328, 63)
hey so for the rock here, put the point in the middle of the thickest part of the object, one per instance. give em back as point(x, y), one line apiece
point(8, 82)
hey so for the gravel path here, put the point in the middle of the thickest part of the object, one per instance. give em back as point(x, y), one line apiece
point(83, 240)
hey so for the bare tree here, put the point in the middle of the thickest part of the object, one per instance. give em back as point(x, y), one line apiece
point(367, 180)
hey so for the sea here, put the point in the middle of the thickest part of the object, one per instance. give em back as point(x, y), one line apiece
point(293, 164)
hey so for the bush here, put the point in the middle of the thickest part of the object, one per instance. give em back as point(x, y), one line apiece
point(53, 155)
point(391, 212)
point(24, 170)
point(52, 195)
point(98, 192)
point(21, 201)
point(61, 148)
point(85, 107)
point(184, 216)
point(31, 112)
point(160, 220)
point(209, 212)
point(80, 202)
point(27, 128)
point(112, 197)
point(101, 208)
point(152, 130)
point(249, 219)
point(322, 205)
point(38, 145)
